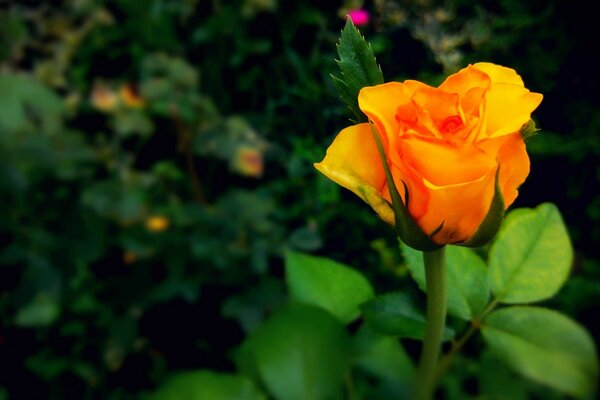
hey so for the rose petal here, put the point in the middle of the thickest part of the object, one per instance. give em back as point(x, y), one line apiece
point(417, 192)
point(500, 74)
point(465, 80)
point(471, 85)
point(380, 103)
point(353, 162)
point(460, 207)
point(514, 163)
point(434, 106)
point(444, 163)
point(508, 107)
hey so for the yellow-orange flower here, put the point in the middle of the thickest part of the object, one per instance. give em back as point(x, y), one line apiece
point(444, 143)
point(157, 223)
point(130, 96)
point(104, 99)
point(248, 161)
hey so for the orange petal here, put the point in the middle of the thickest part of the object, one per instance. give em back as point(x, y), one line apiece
point(514, 163)
point(444, 163)
point(508, 107)
point(500, 74)
point(471, 85)
point(380, 103)
point(434, 106)
point(353, 162)
point(417, 192)
point(465, 80)
point(460, 207)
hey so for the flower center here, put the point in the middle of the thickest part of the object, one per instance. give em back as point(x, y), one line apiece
point(451, 124)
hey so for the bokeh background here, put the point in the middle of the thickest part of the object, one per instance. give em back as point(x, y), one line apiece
point(156, 161)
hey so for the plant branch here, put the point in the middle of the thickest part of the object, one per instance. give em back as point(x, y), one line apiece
point(183, 145)
point(475, 325)
point(435, 276)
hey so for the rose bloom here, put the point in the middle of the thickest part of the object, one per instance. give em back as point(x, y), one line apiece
point(445, 144)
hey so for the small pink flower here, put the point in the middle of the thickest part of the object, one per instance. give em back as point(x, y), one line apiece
point(359, 17)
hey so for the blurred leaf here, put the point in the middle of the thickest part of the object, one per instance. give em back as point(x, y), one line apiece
point(545, 346)
point(47, 365)
point(13, 33)
point(395, 314)
point(305, 238)
point(121, 201)
point(335, 287)
point(383, 357)
point(358, 67)
point(133, 122)
point(244, 359)
point(21, 95)
point(225, 138)
point(302, 353)
point(87, 236)
point(206, 385)
point(40, 287)
point(251, 306)
point(43, 310)
point(553, 144)
point(531, 257)
point(498, 382)
point(468, 288)
point(169, 84)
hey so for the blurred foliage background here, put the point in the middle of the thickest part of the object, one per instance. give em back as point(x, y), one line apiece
point(156, 162)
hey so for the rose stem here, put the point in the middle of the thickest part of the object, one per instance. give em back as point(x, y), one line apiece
point(435, 277)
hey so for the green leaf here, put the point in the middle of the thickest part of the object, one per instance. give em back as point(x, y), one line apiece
point(358, 67)
point(43, 310)
point(22, 97)
point(302, 353)
point(250, 306)
point(498, 382)
point(395, 314)
point(531, 257)
point(383, 357)
point(335, 287)
point(544, 346)
point(207, 385)
point(468, 289)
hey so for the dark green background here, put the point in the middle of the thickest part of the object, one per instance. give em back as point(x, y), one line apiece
point(76, 185)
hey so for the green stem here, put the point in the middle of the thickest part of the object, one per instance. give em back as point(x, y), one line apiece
point(435, 277)
point(349, 385)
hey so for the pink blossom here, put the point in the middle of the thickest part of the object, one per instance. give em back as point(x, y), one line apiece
point(359, 16)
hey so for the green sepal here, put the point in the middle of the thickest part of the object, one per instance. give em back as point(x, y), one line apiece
point(406, 227)
point(528, 129)
point(358, 68)
point(492, 221)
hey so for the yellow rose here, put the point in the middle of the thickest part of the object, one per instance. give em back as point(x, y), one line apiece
point(443, 144)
